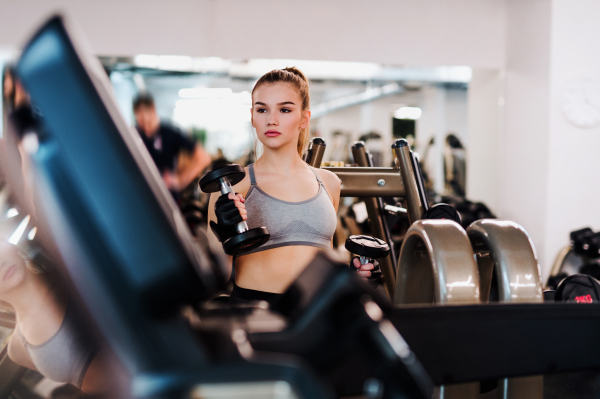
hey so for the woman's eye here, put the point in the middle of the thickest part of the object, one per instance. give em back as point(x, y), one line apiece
point(286, 110)
point(261, 110)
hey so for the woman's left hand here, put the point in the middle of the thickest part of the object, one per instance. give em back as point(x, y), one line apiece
point(363, 270)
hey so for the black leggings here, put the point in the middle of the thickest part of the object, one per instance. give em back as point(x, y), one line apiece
point(241, 295)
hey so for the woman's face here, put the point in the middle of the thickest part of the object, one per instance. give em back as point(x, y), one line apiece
point(277, 114)
point(12, 268)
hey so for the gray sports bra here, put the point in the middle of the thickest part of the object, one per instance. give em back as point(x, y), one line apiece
point(311, 222)
point(66, 355)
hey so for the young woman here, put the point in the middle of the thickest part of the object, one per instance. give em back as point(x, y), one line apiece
point(49, 336)
point(297, 203)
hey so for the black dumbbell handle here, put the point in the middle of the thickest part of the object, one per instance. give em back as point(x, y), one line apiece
point(225, 190)
point(365, 259)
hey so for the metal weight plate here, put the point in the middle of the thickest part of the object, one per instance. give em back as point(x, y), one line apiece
point(442, 211)
point(246, 241)
point(209, 183)
point(370, 247)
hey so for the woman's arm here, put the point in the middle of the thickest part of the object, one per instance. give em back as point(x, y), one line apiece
point(333, 185)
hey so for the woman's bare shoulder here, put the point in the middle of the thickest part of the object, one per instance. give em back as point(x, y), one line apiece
point(330, 179)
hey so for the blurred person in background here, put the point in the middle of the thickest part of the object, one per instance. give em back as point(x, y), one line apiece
point(50, 336)
point(165, 144)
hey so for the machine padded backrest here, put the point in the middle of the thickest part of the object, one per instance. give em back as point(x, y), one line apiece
point(123, 240)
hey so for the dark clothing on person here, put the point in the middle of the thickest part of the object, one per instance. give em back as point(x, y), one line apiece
point(166, 145)
point(241, 295)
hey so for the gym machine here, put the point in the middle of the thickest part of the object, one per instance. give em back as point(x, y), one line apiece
point(437, 260)
point(371, 183)
point(135, 263)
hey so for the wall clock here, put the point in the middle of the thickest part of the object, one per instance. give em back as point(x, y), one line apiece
point(581, 102)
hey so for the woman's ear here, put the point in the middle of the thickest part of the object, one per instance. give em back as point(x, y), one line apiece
point(252, 117)
point(305, 119)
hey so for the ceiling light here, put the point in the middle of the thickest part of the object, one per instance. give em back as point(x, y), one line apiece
point(408, 113)
point(203, 92)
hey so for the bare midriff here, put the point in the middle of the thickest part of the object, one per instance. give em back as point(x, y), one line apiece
point(273, 270)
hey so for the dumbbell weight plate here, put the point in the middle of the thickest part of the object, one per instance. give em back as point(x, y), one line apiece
point(442, 211)
point(578, 288)
point(246, 241)
point(210, 182)
point(369, 247)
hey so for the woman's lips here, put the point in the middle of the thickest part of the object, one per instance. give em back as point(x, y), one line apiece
point(9, 272)
point(272, 133)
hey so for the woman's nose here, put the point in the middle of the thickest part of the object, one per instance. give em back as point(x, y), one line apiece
point(272, 120)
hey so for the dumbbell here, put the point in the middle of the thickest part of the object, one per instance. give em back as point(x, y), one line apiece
point(442, 211)
point(222, 180)
point(368, 249)
point(578, 288)
point(578, 240)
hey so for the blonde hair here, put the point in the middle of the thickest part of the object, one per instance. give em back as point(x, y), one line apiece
point(295, 77)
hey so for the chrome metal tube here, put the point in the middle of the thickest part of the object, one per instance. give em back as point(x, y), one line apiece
point(377, 223)
point(315, 152)
point(414, 205)
point(225, 190)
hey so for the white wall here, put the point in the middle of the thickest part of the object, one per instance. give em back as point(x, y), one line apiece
point(544, 173)
point(525, 141)
point(485, 103)
point(573, 188)
point(423, 33)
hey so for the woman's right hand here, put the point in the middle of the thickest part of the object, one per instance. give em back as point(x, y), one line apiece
point(229, 210)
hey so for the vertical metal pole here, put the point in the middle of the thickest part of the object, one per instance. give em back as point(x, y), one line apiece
point(414, 205)
point(314, 154)
point(376, 222)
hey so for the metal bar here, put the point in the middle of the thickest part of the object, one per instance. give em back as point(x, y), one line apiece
point(376, 222)
point(396, 210)
point(386, 228)
point(369, 182)
point(420, 182)
point(414, 205)
point(314, 154)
